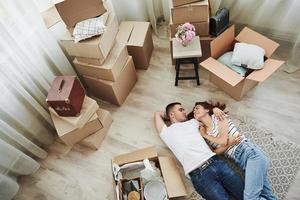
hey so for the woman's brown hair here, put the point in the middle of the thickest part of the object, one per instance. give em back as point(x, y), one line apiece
point(209, 105)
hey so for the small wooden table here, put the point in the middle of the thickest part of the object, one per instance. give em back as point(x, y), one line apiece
point(185, 55)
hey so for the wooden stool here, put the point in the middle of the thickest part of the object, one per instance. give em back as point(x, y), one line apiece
point(185, 55)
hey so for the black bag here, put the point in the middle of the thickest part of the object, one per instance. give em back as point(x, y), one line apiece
point(219, 22)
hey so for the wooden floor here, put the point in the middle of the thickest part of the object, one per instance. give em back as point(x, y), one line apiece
point(81, 173)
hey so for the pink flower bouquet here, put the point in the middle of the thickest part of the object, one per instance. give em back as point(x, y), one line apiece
point(185, 33)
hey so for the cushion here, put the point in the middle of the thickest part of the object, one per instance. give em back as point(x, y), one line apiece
point(225, 59)
point(89, 28)
point(249, 55)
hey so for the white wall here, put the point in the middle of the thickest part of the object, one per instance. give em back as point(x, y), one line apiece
point(281, 17)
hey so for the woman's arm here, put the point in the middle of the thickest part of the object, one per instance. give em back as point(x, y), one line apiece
point(222, 138)
point(232, 140)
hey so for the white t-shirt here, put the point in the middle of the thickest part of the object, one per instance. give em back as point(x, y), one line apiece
point(187, 144)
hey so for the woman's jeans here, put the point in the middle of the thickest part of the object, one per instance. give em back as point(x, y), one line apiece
point(216, 180)
point(255, 164)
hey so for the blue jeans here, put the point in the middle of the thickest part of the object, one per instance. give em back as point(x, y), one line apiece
point(255, 163)
point(216, 180)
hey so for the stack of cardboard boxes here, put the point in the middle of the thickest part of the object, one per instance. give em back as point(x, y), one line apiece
point(89, 128)
point(107, 63)
point(195, 12)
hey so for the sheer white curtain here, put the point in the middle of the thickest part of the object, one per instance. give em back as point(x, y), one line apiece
point(276, 18)
point(142, 10)
point(29, 60)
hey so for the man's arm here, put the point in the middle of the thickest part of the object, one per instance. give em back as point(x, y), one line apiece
point(159, 117)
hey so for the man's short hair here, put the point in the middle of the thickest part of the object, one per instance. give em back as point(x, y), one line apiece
point(170, 106)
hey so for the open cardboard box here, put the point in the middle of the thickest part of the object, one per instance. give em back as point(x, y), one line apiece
point(228, 80)
point(194, 12)
point(74, 11)
point(171, 176)
point(138, 38)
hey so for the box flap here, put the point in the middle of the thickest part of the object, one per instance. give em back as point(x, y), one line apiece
point(125, 30)
point(174, 184)
point(134, 156)
point(270, 66)
point(222, 43)
point(222, 71)
point(249, 36)
point(51, 17)
point(73, 11)
point(138, 34)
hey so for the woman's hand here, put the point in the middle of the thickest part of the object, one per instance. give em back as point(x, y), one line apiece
point(220, 114)
point(235, 139)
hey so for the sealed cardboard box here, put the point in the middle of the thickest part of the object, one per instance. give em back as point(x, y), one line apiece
point(171, 176)
point(110, 69)
point(183, 2)
point(94, 141)
point(97, 47)
point(195, 12)
point(139, 41)
point(74, 11)
point(202, 28)
point(89, 107)
point(231, 82)
point(70, 134)
point(93, 61)
point(114, 92)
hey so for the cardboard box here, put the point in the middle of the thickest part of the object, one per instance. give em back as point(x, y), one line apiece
point(97, 47)
point(228, 80)
point(74, 11)
point(171, 176)
point(114, 92)
point(183, 2)
point(94, 141)
point(93, 61)
point(195, 12)
point(110, 69)
point(88, 109)
point(139, 42)
point(70, 134)
point(202, 28)
point(205, 48)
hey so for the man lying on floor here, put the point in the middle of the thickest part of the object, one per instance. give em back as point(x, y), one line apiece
point(212, 177)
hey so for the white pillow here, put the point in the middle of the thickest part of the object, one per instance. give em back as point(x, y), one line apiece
point(248, 55)
point(89, 28)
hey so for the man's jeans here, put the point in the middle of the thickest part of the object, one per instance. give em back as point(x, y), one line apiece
point(255, 164)
point(216, 179)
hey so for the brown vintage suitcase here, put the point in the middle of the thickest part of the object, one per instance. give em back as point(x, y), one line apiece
point(66, 95)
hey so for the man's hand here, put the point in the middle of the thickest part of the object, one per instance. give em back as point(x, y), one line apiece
point(202, 131)
point(220, 114)
point(159, 118)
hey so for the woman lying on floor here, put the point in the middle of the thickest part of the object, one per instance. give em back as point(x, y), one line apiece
point(224, 138)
